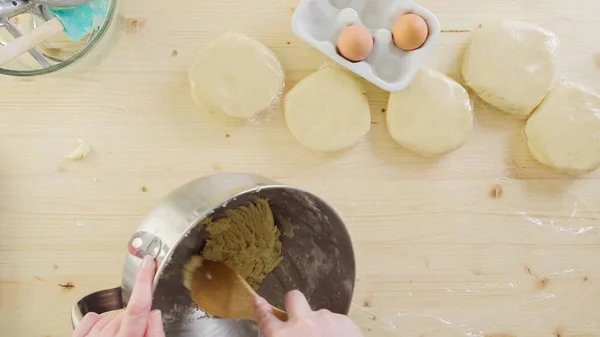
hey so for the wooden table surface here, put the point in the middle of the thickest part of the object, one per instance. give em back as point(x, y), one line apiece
point(483, 242)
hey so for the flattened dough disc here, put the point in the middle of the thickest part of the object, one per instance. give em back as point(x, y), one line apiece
point(328, 110)
point(432, 116)
point(236, 75)
point(564, 131)
point(510, 65)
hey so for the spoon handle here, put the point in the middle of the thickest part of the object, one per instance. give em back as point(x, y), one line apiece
point(282, 315)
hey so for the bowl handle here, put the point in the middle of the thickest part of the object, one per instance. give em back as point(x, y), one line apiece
point(99, 302)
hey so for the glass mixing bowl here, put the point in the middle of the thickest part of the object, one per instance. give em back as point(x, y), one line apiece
point(60, 53)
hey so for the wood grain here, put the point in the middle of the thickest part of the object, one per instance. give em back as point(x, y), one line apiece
point(437, 255)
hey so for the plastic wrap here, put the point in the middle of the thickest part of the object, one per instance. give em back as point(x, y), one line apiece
point(319, 23)
point(236, 76)
point(528, 269)
point(511, 65)
point(564, 131)
point(432, 116)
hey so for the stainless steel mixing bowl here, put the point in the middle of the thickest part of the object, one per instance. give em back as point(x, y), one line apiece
point(318, 257)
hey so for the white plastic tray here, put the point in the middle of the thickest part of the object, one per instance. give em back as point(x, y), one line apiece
point(319, 23)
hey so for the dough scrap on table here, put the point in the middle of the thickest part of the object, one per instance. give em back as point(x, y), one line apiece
point(237, 76)
point(82, 150)
point(564, 131)
point(511, 65)
point(432, 116)
point(328, 110)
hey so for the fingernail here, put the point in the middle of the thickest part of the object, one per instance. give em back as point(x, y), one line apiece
point(148, 262)
point(156, 315)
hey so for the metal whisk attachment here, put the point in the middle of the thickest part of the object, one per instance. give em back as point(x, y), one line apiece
point(12, 8)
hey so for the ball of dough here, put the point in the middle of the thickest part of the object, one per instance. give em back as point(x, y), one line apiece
point(236, 75)
point(432, 116)
point(328, 110)
point(510, 65)
point(564, 131)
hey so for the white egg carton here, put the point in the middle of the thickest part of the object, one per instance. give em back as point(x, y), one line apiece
point(319, 23)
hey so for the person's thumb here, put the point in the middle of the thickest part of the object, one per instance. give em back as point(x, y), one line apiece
point(296, 304)
point(267, 322)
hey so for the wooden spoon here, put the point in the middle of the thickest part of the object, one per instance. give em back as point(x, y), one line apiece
point(222, 292)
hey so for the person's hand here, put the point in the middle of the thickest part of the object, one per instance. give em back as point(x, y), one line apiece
point(302, 320)
point(136, 320)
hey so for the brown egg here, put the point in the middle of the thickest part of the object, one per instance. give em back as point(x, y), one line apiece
point(410, 32)
point(355, 43)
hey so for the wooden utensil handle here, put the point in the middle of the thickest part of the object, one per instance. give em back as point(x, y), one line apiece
point(27, 41)
point(282, 315)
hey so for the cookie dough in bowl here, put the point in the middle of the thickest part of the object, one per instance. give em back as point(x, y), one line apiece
point(237, 76)
point(328, 110)
point(510, 65)
point(564, 131)
point(432, 116)
point(246, 240)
